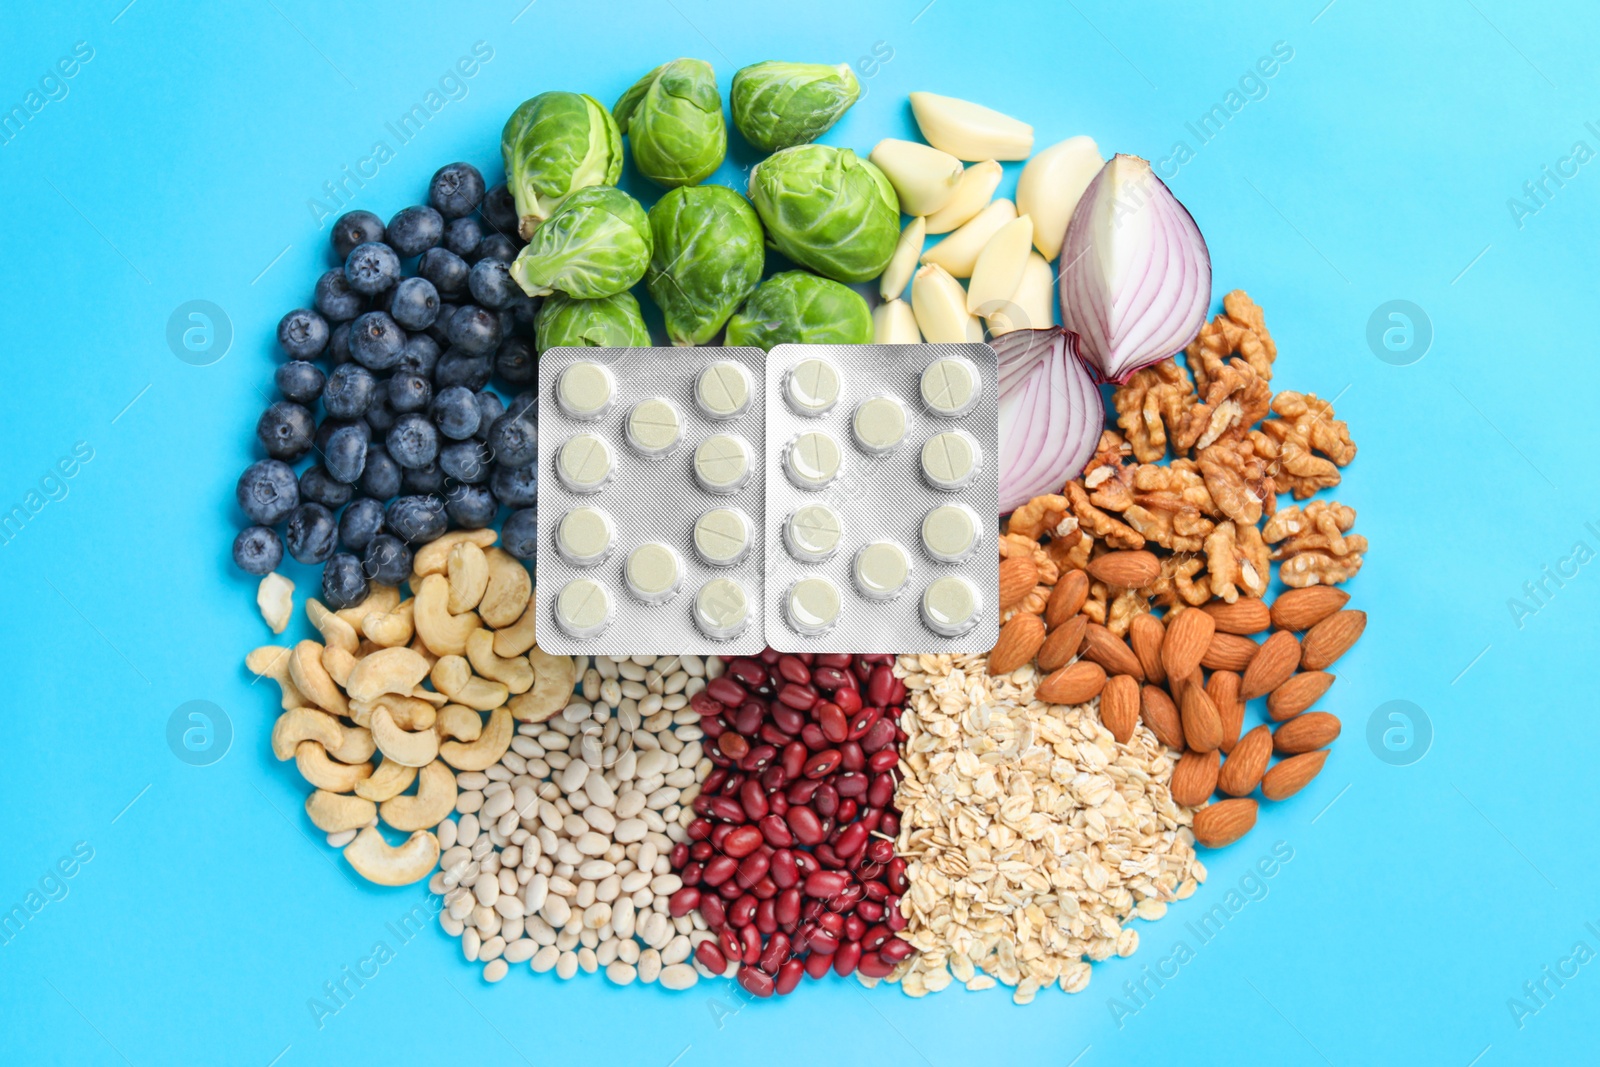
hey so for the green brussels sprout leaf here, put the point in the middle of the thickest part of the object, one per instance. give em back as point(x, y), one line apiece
point(609, 322)
point(555, 144)
point(799, 308)
point(596, 244)
point(780, 105)
point(827, 210)
point(673, 119)
point(708, 258)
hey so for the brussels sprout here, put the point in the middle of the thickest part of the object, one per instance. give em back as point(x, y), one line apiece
point(610, 322)
point(555, 144)
point(673, 119)
point(827, 210)
point(596, 244)
point(799, 308)
point(708, 257)
point(780, 105)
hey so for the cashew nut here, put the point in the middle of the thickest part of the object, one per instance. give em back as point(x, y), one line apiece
point(422, 650)
point(514, 672)
point(332, 812)
point(454, 678)
point(412, 748)
point(338, 662)
point(435, 799)
point(506, 595)
point(324, 773)
point(444, 634)
point(275, 598)
point(313, 679)
point(336, 632)
point(438, 700)
point(382, 864)
point(458, 722)
point(517, 638)
point(486, 751)
point(468, 574)
point(305, 724)
point(380, 598)
point(392, 628)
point(553, 679)
point(389, 780)
point(432, 557)
point(357, 746)
point(389, 670)
point(408, 713)
point(272, 661)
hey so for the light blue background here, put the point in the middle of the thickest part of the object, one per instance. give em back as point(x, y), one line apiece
point(1420, 898)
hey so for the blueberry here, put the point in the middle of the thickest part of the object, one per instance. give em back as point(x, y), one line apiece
point(381, 476)
point(329, 425)
point(257, 550)
point(355, 228)
point(376, 341)
point(525, 405)
point(490, 407)
point(524, 317)
point(346, 454)
point(417, 519)
point(414, 230)
point(456, 190)
point(349, 391)
point(457, 368)
point(320, 487)
point(303, 334)
point(360, 523)
point(419, 356)
point(455, 412)
point(311, 534)
point(415, 303)
point(267, 491)
point(440, 330)
point(299, 381)
point(413, 441)
point(497, 246)
point(372, 268)
point(465, 461)
point(286, 430)
point(491, 285)
point(335, 299)
point(516, 361)
point(520, 534)
point(470, 506)
point(514, 440)
point(446, 270)
point(380, 414)
point(409, 392)
point(515, 487)
point(463, 236)
point(344, 584)
point(339, 344)
point(499, 210)
point(387, 560)
point(474, 330)
point(428, 479)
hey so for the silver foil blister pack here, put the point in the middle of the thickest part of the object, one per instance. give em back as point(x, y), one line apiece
point(650, 470)
point(882, 491)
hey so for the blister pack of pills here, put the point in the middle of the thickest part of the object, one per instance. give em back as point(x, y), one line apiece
point(651, 499)
point(881, 498)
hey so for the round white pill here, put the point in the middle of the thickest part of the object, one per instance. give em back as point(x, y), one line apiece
point(722, 463)
point(583, 608)
point(584, 536)
point(653, 572)
point(950, 532)
point(811, 387)
point(723, 390)
point(812, 533)
point(879, 424)
point(812, 460)
point(721, 609)
point(951, 606)
point(722, 537)
point(881, 569)
point(950, 459)
point(583, 463)
point(812, 606)
point(950, 386)
point(585, 390)
point(654, 427)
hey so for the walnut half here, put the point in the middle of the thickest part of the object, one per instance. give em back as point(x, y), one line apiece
point(1314, 545)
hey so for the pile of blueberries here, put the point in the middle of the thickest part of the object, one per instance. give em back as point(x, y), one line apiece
point(409, 440)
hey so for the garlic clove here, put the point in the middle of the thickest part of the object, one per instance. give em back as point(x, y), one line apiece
point(894, 323)
point(958, 253)
point(897, 275)
point(970, 131)
point(1051, 185)
point(973, 192)
point(940, 306)
point(924, 177)
point(1032, 306)
point(998, 271)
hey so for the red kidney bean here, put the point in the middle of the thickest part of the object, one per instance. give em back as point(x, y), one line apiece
point(770, 656)
point(851, 784)
point(765, 888)
point(759, 758)
point(726, 691)
point(855, 929)
point(805, 863)
point(889, 824)
point(794, 760)
point(848, 698)
point(897, 879)
point(725, 808)
point(733, 745)
point(762, 915)
point(826, 801)
point(799, 697)
point(711, 957)
point(879, 685)
point(699, 829)
point(885, 759)
point(773, 736)
point(881, 792)
point(847, 900)
point(827, 856)
point(895, 949)
point(753, 867)
point(863, 719)
point(879, 737)
point(870, 910)
point(877, 891)
point(811, 734)
point(792, 669)
point(832, 659)
point(772, 780)
point(756, 983)
point(851, 840)
point(776, 952)
point(829, 678)
point(831, 719)
point(789, 975)
point(874, 938)
point(719, 870)
point(868, 872)
point(831, 921)
point(805, 824)
point(846, 812)
point(750, 942)
point(787, 907)
point(892, 916)
point(782, 870)
point(701, 851)
point(691, 873)
point(775, 831)
point(748, 671)
point(742, 842)
point(719, 835)
point(846, 959)
point(824, 885)
point(728, 942)
point(824, 942)
point(788, 719)
point(803, 791)
point(730, 890)
point(871, 964)
point(753, 798)
point(880, 851)
point(714, 727)
point(897, 694)
point(683, 901)
point(817, 964)
point(851, 758)
point(714, 912)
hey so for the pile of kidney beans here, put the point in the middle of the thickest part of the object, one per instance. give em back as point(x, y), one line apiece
point(784, 862)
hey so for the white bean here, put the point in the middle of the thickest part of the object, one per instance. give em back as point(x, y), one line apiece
point(679, 976)
point(621, 973)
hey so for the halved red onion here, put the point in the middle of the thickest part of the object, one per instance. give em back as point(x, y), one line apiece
point(1136, 274)
point(1050, 415)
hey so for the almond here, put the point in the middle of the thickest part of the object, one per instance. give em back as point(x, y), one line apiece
point(1301, 609)
point(1228, 652)
point(1019, 641)
point(1145, 634)
point(1272, 665)
point(1331, 638)
point(1125, 570)
point(1306, 733)
point(1202, 725)
point(1223, 689)
point(1247, 615)
point(1160, 714)
point(1224, 822)
point(1289, 776)
point(1188, 637)
point(1119, 706)
point(1073, 684)
point(1297, 694)
point(1018, 576)
point(1248, 762)
point(1063, 643)
point(1194, 779)
point(1110, 651)
point(1066, 598)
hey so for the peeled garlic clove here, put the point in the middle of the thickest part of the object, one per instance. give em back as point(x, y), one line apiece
point(958, 253)
point(970, 131)
point(977, 186)
point(1050, 187)
point(1032, 306)
point(924, 177)
point(893, 323)
point(998, 271)
point(940, 306)
point(897, 275)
